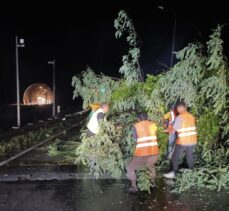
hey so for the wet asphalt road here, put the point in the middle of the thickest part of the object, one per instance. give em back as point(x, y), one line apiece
point(86, 194)
point(103, 195)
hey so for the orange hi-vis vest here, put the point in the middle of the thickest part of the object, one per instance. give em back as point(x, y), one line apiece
point(147, 139)
point(187, 134)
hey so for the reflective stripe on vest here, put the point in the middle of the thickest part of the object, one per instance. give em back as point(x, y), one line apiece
point(146, 144)
point(186, 129)
point(147, 139)
point(93, 124)
point(171, 122)
point(187, 135)
point(172, 116)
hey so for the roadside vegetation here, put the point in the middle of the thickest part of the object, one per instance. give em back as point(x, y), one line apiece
point(200, 78)
point(20, 142)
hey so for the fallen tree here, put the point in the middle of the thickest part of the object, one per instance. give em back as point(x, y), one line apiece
point(200, 78)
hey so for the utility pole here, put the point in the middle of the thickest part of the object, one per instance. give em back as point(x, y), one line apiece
point(173, 42)
point(174, 31)
point(53, 63)
point(18, 45)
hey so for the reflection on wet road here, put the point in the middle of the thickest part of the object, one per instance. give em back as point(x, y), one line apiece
point(103, 195)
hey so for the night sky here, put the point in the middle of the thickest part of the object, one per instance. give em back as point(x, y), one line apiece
point(79, 35)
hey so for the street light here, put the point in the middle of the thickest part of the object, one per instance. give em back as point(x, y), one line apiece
point(174, 31)
point(19, 44)
point(53, 63)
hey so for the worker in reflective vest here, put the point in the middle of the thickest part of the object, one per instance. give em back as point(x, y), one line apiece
point(170, 119)
point(93, 124)
point(94, 107)
point(185, 128)
point(146, 152)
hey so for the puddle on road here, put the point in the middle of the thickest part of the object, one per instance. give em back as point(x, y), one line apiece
point(103, 195)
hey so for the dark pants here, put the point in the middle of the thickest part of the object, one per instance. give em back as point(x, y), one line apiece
point(89, 134)
point(138, 162)
point(171, 145)
point(179, 151)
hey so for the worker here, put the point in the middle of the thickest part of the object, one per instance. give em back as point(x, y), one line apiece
point(146, 152)
point(94, 122)
point(186, 141)
point(94, 107)
point(169, 121)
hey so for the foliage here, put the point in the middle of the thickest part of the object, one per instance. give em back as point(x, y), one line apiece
point(200, 78)
point(162, 141)
point(208, 129)
point(93, 88)
point(101, 153)
point(181, 82)
point(21, 141)
point(212, 171)
point(135, 96)
point(144, 180)
point(125, 122)
point(216, 86)
point(125, 97)
point(130, 68)
point(65, 150)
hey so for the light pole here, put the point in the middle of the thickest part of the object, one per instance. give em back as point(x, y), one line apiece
point(53, 63)
point(19, 44)
point(174, 32)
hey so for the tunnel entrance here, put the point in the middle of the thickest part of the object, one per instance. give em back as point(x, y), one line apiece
point(38, 94)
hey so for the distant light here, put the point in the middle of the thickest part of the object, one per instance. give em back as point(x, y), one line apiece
point(41, 100)
point(160, 7)
point(22, 41)
point(38, 94)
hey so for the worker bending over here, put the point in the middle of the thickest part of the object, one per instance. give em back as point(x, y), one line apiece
point(146, 152)
point(186, 139)
point(94, 122)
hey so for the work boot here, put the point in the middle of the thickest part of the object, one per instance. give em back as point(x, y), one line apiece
point(170, 175)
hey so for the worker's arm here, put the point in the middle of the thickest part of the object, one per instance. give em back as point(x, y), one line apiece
point(167, 115)
point(177, 124)
point(134, 131)
point(100, 116)
point(166, 118)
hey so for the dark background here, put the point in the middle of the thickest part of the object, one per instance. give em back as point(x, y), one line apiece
point(79, 34)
